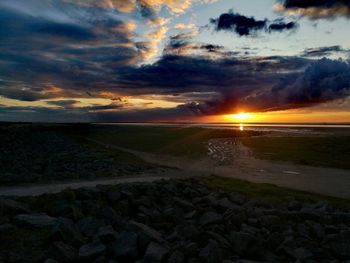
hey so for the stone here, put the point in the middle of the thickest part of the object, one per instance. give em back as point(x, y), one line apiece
point(62, 252)
point(89, 226)
point(238, 198)
point(66, 231)
point(12, 206)
point(341, 249)
point(242, 243)
point(176, 257)
point(155, 253)
point(106, 234)
point(210, 253)
point(147, 231)
point(6, 228)
point(91, 251)
point(302, 253)
point(210, 218)
point(110, 215)
point(125, 247)
point(36, 220)
point(225, 203)
point(187, 206)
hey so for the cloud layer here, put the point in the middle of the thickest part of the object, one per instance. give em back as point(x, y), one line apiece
point(314, 9)
point(245, 26)
point(60, 53)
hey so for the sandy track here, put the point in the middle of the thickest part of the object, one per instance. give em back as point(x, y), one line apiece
point(320, 180)
point(326, 181)
point(36, 190)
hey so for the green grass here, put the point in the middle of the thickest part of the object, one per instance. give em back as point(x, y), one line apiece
point(176, 141)
point(332, 151)
point(269, 192)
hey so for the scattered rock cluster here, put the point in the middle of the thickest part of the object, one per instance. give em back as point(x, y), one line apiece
point(170, 221)
point(28, 156)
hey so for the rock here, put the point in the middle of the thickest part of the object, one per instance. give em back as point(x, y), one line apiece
point(49, 260)
point(341, 250)
point(62, 252)
point(155, 253)
point(36, 220)
point(210, 218)
point(210, 253)
point(302, 253)
point(125, 247)
point(91, 251)
point(225, 203)
point(316, 229)
point(190, 250)
point(176, 257)
point(294, 205)
point(106, 234)
point(243, 243)
point(11, 206)
point(6, 228)
point(187, 206)
point(150, 233)
point(66, 231)
point(110, 215)
point(114, 196)
point(89, 226)
point(238, 198)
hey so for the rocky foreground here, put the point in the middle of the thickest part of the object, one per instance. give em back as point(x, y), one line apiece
point(169, 221)
point(32, 154)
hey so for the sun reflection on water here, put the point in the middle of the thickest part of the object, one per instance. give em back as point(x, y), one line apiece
point(241, 127)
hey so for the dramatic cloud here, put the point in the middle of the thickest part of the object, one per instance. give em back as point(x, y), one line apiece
point(314, 9)
point(61, 54)
point(245, 26)
point(324, 51)
point(256, 84)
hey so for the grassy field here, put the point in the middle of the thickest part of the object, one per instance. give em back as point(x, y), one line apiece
point(270, 192)
point(332, 151)
point(176, 141)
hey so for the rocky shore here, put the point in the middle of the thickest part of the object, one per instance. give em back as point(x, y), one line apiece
point(38, 154)
point(170, 221)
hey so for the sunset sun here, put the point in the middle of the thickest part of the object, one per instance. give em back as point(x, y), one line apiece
point(242, 116)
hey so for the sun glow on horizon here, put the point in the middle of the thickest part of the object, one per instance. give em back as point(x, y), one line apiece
point(243, 116)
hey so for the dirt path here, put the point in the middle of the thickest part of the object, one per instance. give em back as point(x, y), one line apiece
point(326, 181)
point(35, 190)
point(242, 165)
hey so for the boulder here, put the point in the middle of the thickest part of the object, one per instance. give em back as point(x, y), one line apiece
point(125, 247)
point(91, 251)
point(12, 206)
point(242, 243)
point(6, 228)
point(210, 218)
point(36, 220)
point(65, 230)
point(210, 253)
point(176, 257)
point(62, 252)
point(155, 253)
point(106, 234)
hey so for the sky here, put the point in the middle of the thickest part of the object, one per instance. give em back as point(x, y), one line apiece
point(172, 60)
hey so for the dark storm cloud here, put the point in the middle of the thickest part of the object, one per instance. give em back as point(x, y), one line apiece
point(85, 52)
point(280, 26)
point(245, 26)
point(255, 84)
point(74, 53)
point(324, 51)
point(314, 9)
